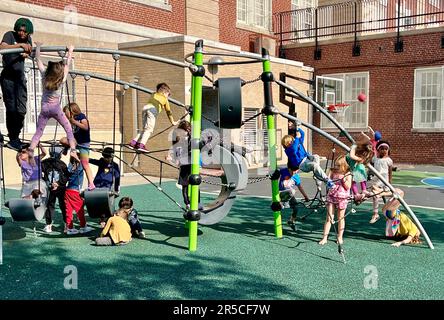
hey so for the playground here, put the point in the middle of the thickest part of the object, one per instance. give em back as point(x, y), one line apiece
point(237, 245)
point(238, 258)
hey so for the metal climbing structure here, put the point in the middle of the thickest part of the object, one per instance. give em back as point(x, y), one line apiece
point(235, 176)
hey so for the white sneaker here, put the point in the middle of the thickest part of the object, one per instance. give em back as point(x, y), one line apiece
point(65, 228)
point(142, 235)
point(86, 229)
point(72, 231)
point(48, 228)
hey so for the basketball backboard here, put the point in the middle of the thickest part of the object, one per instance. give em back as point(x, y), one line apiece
point(328, 91)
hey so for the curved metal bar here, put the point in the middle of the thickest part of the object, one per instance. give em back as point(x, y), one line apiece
point(107, 51)
point(317, 106)
point(372, 169)
point(129, 84)
point(254, 58)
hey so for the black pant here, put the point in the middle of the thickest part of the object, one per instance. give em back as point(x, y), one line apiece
point(186, 198)
point(50, 206)
point(15, 97)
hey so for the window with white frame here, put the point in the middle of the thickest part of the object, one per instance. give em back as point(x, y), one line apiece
point(34, 92)
point(356, 115)
point(428, 110)
point(254, 13)
point(303, 20)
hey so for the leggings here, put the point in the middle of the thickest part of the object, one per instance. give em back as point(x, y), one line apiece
point(355, 187)
point(52, 110)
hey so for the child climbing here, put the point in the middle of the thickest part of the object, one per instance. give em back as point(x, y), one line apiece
point(53, 78)
point(158, 101)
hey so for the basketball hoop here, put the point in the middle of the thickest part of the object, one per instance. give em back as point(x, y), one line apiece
point(338, 109)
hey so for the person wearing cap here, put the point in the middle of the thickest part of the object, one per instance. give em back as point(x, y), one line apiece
point(398, 225)
point(55, 174)
point(13, 78)
point(383, 164)
point(108, 172)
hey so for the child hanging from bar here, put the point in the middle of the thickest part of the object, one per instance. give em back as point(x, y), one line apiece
point(299, 158)
point(81, 130)
point(53, 78)
point(288, 181)
point(361, 152)
point(157, 102)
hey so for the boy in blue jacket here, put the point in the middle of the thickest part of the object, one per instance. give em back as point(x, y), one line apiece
point(289, 179)
point(108, 173)
point(298, 157)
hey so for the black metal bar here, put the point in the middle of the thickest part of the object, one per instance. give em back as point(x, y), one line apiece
point(160, 177)
point(332, 29)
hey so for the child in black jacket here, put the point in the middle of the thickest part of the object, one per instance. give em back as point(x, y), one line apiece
point(55, 174)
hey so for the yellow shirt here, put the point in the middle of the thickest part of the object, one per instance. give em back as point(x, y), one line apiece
point(406, 226)
point(118, 229)
point(159, 101)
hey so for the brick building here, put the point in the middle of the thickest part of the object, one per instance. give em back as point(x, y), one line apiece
point(390, 50)
point(161, 27)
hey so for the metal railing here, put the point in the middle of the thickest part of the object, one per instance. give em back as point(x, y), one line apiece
point(360, 17)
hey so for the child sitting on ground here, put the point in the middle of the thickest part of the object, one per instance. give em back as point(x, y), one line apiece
point(116, 232)
point(337, 197)
point(298, 157)
point(158, 101)
point(359, 156)
point(398, 225)
point(129, 213)
point(31, 171)
point(289, 179)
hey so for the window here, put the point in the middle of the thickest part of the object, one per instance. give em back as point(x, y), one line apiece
point(406, 20)
point(428, 111)
point(34, 91)
point(356, 115)
point(254, 13)
point(303, 21)
point(255, 136)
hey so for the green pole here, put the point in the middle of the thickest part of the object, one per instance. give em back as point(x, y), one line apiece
point(193, 215)
point(268, 110)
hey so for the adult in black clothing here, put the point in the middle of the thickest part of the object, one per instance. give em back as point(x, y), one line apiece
point(55, 174)
point(13, 79)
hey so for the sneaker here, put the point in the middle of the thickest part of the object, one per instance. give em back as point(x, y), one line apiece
point(374, 219)
point(85, 229)
point(133, 143)
point(48, 228)
point(65, 228)
point(141, 147)
point(14, 144)
point(292, 225)
point(142, 235)
point(72, 231)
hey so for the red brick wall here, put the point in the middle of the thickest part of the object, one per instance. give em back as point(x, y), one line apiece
point(229, 33)
point(391, 88)
point(125, 11)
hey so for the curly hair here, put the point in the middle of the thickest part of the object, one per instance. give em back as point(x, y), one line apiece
point(24, 22)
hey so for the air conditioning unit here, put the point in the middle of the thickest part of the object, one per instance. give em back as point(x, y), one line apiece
point(261, 41)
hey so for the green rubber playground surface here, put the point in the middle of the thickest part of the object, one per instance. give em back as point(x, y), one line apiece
point(239, 258)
